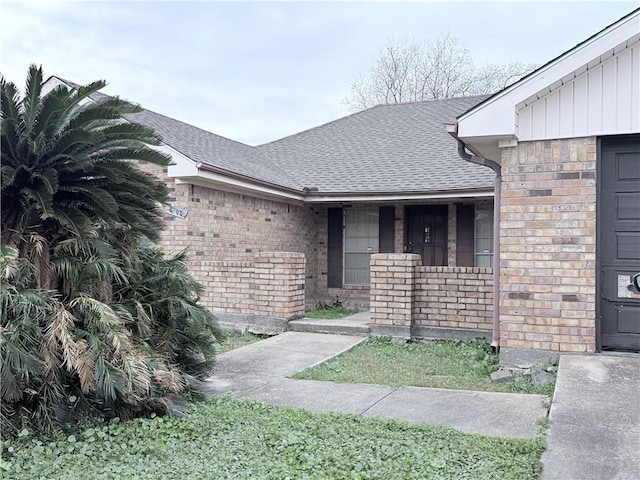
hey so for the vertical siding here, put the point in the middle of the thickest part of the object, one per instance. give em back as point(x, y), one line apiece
point(604, 99)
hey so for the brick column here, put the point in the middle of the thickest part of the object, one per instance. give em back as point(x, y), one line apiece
point(547, 245)
point(279, 284)
point(392, 292)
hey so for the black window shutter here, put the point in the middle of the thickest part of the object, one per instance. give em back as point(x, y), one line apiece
point(465, 249)
point(334, 248)
point(387, 227)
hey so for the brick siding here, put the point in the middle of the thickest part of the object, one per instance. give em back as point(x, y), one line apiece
point(392, 288)
point(454, 297)
point(226, 227)
point(404, 293)
point(547, 245)
point(272, 285)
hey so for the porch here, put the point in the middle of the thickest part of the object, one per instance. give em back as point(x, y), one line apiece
point(455, 232)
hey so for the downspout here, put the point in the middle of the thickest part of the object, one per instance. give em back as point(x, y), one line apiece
point(495, 337)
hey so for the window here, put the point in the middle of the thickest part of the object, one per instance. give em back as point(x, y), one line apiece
point(361, 239)
point(484, 236)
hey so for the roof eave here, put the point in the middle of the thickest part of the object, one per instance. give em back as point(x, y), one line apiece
point(525, 87)
point(389, 196)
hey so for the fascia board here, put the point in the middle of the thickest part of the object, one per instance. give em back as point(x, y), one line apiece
point(497, 117)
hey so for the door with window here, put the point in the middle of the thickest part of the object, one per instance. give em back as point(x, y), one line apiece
point(427, 233)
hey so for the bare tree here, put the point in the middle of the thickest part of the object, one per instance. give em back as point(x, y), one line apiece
point(409, 71)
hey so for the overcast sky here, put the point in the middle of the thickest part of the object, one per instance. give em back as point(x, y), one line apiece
point(258, 71)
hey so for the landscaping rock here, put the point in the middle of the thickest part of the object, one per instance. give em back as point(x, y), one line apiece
point(501, 376)
point(541, 378)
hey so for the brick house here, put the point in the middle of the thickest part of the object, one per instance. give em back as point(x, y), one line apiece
point(393, 208)
point(566, 138)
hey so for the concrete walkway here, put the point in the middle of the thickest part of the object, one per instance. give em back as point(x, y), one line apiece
point(260, 371)
point(595, 419)
point(356, 324)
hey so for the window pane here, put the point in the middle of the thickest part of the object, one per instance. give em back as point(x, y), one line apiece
point(484, 245)
point(484, 235)
point(484, 260)
point(361, 240)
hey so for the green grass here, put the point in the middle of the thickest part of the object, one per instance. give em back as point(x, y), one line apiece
point(233, 340)
point(240, 439)
point(331, 313)
point(439, 364)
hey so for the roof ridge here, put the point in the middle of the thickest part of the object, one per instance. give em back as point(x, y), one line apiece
point(354, 114)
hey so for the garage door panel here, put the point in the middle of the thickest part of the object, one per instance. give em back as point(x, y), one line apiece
point(628, 245)
point(628, 319)
point(628, 206)
point(619, 242)
point(628, 166)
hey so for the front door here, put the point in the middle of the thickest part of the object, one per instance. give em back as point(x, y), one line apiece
point(619, 243)
point(427, 233)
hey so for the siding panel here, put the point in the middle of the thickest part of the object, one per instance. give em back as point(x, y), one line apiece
point(609, 94)
point(566, 111)
point(553, 114)
point(594, 99)
point(623, 87)
point(603, 100)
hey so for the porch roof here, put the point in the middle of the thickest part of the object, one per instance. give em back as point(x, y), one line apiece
point(388, 148)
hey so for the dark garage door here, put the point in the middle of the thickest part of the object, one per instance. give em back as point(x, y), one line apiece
point(619, 242)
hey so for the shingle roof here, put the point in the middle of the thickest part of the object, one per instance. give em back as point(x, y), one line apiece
point(396, 148)
point(388, 148)
point(202, 146)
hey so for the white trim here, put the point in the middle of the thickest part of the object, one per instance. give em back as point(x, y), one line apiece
point(497, 116)
point(396, 197)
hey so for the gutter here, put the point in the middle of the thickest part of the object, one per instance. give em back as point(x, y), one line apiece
point(478, 160)
point(222, 171)
point(312, 195)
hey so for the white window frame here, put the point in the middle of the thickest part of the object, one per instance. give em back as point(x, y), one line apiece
point(483, 213)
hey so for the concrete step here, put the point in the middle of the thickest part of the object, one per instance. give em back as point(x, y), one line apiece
point(341, 326)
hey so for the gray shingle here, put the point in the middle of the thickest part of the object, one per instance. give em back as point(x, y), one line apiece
point(388, 148)
point(202, 146)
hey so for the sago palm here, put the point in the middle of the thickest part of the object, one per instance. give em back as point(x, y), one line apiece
point(67, 167)
point(91, 319)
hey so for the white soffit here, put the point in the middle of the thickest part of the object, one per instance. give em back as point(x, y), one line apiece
point(498, 117)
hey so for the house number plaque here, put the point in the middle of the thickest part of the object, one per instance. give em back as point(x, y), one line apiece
point(176, 212)
point(624, 282)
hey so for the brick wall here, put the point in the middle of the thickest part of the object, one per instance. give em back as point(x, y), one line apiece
point(271, 285)
point(404, 293)
point(454, 297)
point(227, 227)
point(547, 237)
point(392, 288)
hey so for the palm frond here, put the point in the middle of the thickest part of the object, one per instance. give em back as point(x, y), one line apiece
point(31, 103)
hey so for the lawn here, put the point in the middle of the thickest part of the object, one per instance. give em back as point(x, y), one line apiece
point(233, 340)
point(331, 313)
point(440, 364)
point(241, 439)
